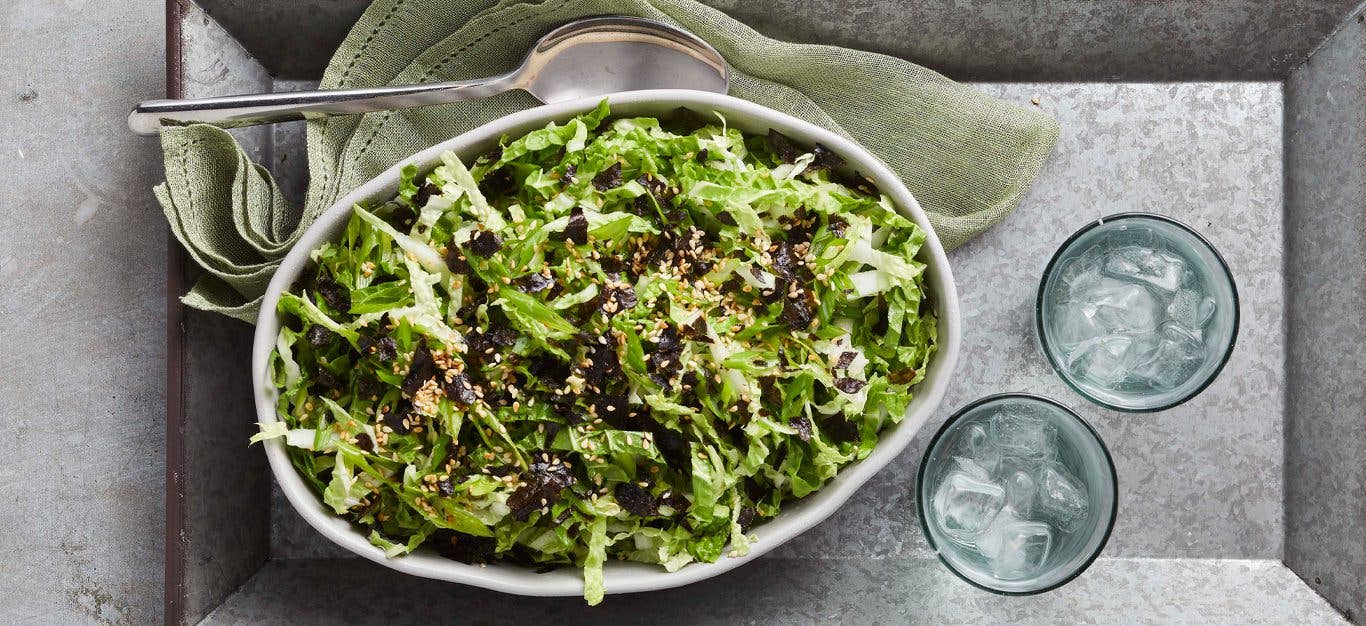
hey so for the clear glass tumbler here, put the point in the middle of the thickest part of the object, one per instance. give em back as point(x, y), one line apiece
point(1017, 494)
point(1137, 312)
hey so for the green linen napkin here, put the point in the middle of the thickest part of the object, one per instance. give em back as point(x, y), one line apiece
point(967, 157)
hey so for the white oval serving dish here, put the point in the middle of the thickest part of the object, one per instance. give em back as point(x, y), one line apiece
point(619, 576)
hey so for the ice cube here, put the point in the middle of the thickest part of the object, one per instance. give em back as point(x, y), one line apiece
point(1142, 349)
point(1190, 308)
point(1101, 360)
point(1014, 548)
point(1074, 323)
point(1179, 355)
point(1108, 306)
point(1081, 274)
point(1155, 267)
point(1020, 491)
point(964, 506)
point(1124, 307)
point(978, 447)
point(972, 468)
point(1023, 434)
point(1063, 502)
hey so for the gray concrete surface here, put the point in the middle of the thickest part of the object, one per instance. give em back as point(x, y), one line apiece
point(82, 265)
point(1326, 270)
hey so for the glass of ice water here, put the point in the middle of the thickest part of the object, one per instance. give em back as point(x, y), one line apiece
point(1137, 312)
point(1017, 494)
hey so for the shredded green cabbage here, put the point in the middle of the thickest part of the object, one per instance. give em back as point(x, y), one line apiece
point(626, 338)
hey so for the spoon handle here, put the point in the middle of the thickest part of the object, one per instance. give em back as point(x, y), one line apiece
point(269, 108)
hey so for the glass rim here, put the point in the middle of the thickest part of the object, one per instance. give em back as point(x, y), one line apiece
point(953, 419)
point(1062, 372)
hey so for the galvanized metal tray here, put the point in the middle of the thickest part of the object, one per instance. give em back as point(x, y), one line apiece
point(1244, 119)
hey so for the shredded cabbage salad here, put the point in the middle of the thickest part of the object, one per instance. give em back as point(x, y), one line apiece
point(609, 338)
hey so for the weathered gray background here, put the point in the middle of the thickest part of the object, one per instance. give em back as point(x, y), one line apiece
point(1325, 499)
point(82, 332)
point(1261, 468)
point(1128, 40)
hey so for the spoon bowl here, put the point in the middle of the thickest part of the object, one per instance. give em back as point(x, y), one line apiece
point(590, 57)
point(597, 56)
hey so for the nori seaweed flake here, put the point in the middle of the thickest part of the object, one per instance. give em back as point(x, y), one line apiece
point(386, 349)
point(324, 380)
point(545, 477)
point(533, 283)
point(368, 386)
point(685, 121)
point(657, 189)
point(839, 429)
point(604, 367)
point(495, 155)
point(609, 178)
point(615, 410)
point(319, 336)
point(617, 296)
point(784, 263)
point(677, 502)
point(291, 321)
point(501, 470)
point(668, 340)
point(502, 336)
point(549, 369)
point(801, 424)
point(673, 447)
point(398, 419)
point(849, 385)
point(456, 261)
point(846, 358)
point(796, 313)
point(856, 181)
point(425, 194)
point(334, 294)
point(825, 158)
point(576, 231)
point(635, 499)
point(422, 369)
point(485, 243)
point(498, 183)
point(756, 490)
point(746, 518)
point(667, 358)
point(460, 391)
point(783, 146)
point(464, 548)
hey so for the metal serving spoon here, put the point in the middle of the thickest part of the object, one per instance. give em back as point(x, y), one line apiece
point(595, 56)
